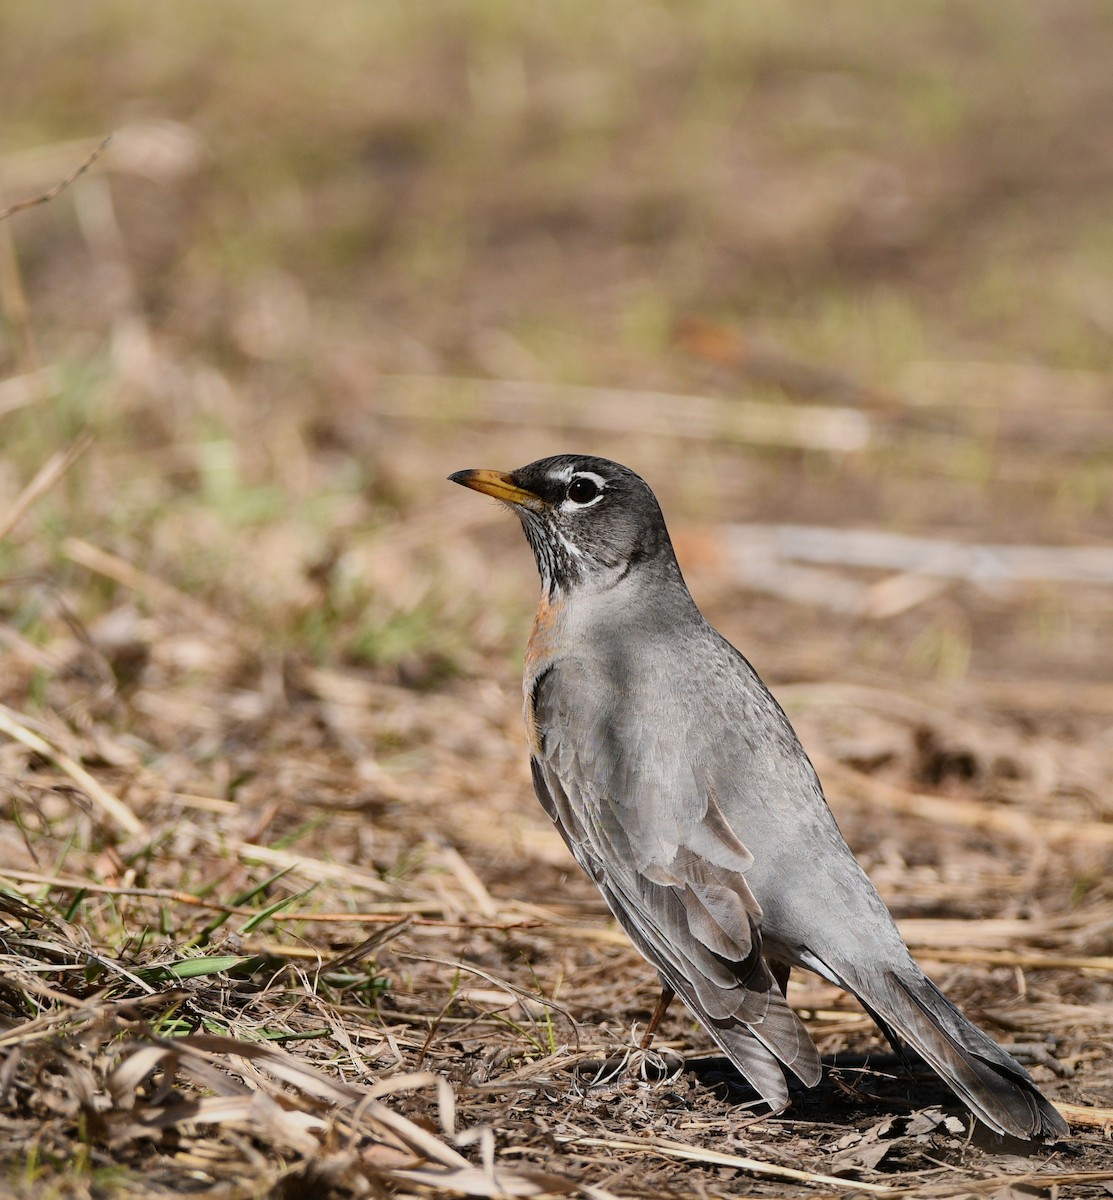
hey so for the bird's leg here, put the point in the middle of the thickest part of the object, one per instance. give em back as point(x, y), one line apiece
point(781, 972)
point(663, 1002)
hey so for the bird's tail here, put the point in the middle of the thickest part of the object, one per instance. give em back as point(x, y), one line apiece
point(993, 1085)
point(760, 1045)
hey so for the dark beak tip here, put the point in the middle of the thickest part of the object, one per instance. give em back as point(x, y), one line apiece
point(497, 484)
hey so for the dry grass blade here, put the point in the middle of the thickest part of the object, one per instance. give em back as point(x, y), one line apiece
point(22, 390)
point(935, 932)
point(717, 1158)
point(137, 1062)
point(469, 881)
point(157, 591)
point(201, 1053)
point(44, 1026)
point(362, 950)
point(476, 1181)
point(970, 814)
point(512, 988)
point(252, 1108)
point(1030, 1182)
point(280, 1064)
point(254, 1114)
point(1024, 958)
point(423, 1143)
point(312, 868)
point(111, 806)
point(45, 478)
point(413, 1080)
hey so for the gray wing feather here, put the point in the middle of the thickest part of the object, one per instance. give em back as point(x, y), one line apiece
point(646, 825)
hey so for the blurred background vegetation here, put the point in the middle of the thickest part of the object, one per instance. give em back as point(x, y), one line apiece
point(281, 299)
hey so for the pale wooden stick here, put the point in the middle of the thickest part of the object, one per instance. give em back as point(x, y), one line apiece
point(878, 549)
point(617, 410)
point(1078, 1114)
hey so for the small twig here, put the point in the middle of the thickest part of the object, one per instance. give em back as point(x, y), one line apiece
point(58, 884)
point(13, 295)
point(58, 188)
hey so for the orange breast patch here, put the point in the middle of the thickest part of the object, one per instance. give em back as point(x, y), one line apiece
point(542, 644)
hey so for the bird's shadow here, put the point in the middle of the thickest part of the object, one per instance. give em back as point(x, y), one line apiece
point(879, 1078)
point(857, 1090)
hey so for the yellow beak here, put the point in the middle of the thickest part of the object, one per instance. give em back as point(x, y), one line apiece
point(497, 484)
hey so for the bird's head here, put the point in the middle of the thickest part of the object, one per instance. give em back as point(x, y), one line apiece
point(590, 521)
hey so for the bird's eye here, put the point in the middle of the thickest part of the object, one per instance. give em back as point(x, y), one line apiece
point(582, 490)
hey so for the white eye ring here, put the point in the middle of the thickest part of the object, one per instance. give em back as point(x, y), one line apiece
point(569, 504)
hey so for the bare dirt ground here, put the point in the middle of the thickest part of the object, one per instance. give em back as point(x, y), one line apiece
point(280, 914)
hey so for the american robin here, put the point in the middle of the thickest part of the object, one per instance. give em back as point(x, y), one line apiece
point(681, 788)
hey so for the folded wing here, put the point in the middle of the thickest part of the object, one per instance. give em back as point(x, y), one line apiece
point(654, 839)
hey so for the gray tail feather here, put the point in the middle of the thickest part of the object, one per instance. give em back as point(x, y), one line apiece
point(994, 1086)
point(759, 1049)
point(760, 1067)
